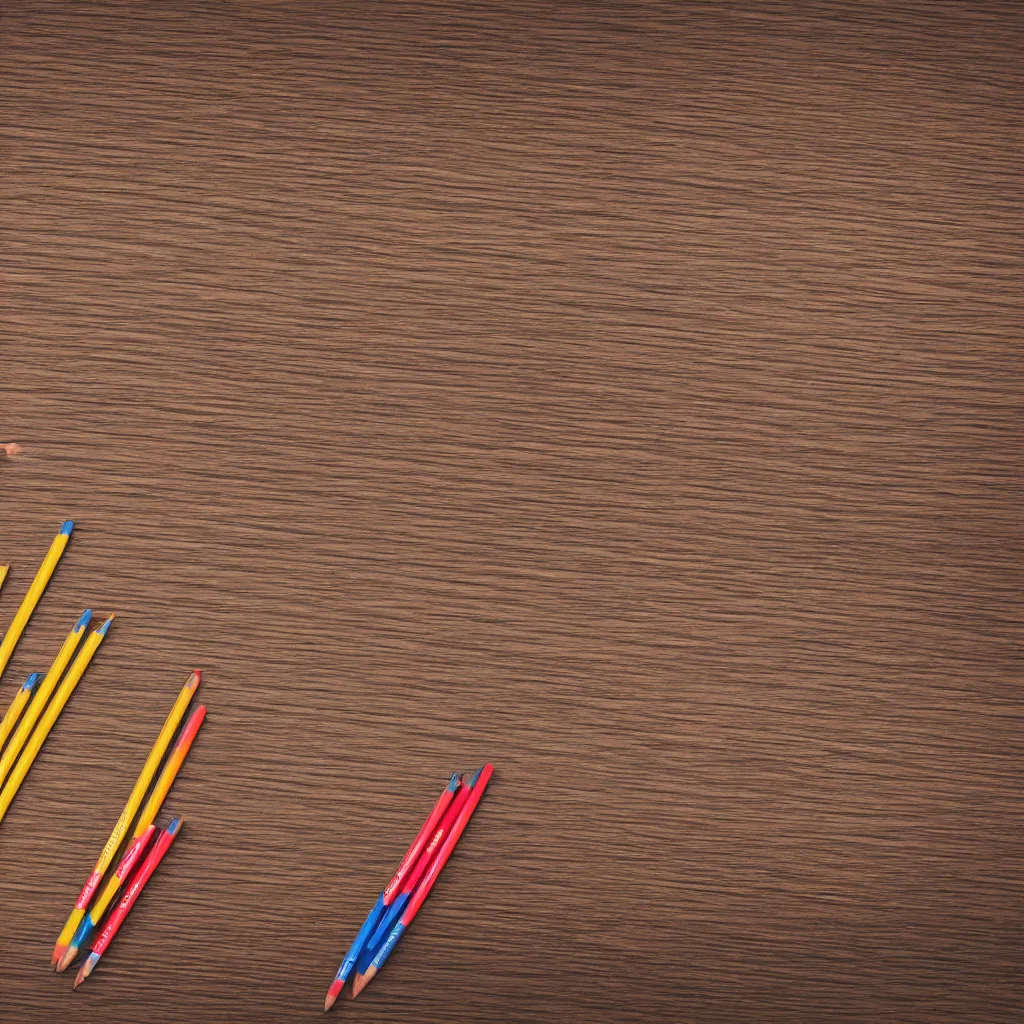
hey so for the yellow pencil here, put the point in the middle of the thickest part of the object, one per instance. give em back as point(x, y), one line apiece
point(13, 713)
point(106, 858)
point(42, 694)
point(149, 813)
point(42, 730)
point(4, 570)
point(35, 591)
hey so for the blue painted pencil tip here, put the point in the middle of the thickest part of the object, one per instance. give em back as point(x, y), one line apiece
point(83, 620)
point(69, 525)
point(33, 681)
point(105, 628)
point(453, 782)
point(472, 781)
point(173, 826)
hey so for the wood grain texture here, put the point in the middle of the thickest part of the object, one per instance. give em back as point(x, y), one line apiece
point(628, 394)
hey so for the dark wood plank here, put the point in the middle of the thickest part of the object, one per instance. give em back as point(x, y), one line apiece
point(624, 393)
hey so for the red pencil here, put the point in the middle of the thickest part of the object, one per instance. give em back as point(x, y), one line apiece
point(437, 839)
point(418, 843)
point(120, 912)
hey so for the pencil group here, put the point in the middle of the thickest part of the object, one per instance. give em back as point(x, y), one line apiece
point(401, 899)
point(136, 837)
point(41, 713)
point(31, 714)
point(138, 842)
point(132, 842)
point(120, 912)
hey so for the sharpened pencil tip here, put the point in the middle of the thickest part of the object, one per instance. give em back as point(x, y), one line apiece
point(58, 954)
point(332, 995)
point(67, 959)
point(105, 628)
point(362, 980)
point(86, 969)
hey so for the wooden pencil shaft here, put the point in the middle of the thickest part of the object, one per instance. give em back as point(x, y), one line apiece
point(34, 593)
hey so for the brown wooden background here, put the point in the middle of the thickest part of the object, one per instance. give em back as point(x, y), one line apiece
point(624, 393)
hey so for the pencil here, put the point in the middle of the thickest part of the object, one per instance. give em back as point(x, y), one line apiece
point(149, 813)
point(13, 713)
point(42, 730)
point(477, 785)
point(175, 760)
point(426, 859)
point(4, 570)
point(156, 754)
point(120, 912)
point(35, 592)
point(390, 890)
point(443, 801)
point(133, 853)
point(42, 694)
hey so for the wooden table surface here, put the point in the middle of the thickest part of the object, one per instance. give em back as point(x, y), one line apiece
point(627, 394)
